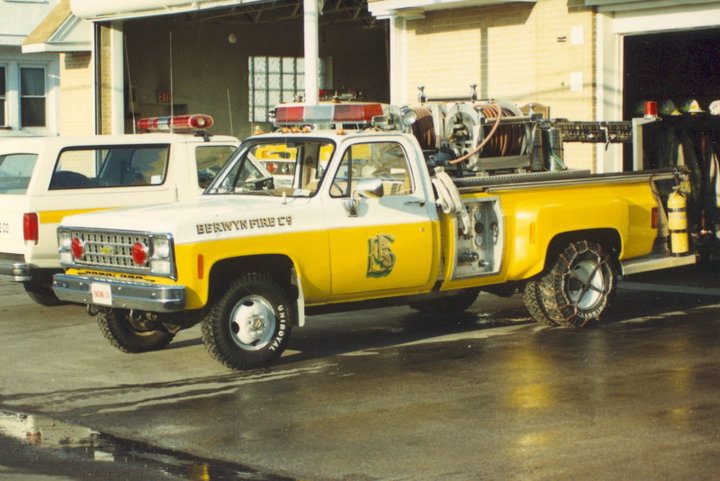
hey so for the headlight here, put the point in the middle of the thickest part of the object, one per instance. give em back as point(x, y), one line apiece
point(161, 248)
point(161, 261)
point(64, 240)
point(64, 246)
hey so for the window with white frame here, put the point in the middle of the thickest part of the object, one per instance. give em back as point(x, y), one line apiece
point(32, 97)
point(3, 96)
point(277, 79)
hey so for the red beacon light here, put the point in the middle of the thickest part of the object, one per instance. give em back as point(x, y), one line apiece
point(177, 123)
point(348, 113)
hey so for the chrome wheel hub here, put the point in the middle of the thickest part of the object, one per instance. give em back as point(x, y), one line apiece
point(252, 323)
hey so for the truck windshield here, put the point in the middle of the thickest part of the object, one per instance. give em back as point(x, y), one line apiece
point(15, 172)
point(290, 167)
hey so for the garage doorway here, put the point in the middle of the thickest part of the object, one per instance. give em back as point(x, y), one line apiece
point(674, 65)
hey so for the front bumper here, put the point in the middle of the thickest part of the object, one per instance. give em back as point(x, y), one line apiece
point(122, 295)
point(15, 270)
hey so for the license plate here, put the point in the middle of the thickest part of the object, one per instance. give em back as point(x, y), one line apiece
point(101, 293)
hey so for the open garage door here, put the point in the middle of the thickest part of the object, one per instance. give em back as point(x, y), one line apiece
point(673, 65)
point(235, 63)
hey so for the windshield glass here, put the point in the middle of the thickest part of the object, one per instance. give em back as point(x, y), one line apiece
point(15, 172)
point(291, 167)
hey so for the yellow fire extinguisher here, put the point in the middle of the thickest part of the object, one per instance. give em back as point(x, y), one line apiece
point(677, 223)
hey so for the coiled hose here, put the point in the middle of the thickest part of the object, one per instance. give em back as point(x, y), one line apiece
point(499, 142)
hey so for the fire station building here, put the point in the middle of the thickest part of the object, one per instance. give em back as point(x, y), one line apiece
point(233, 59)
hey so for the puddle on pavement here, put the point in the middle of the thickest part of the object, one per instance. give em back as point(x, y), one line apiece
point(70, 442)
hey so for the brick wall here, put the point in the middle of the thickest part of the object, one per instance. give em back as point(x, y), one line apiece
point(520, 52)
point(76, 87)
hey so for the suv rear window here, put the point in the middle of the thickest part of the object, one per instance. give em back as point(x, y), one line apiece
point(121, 166)
point(15, 172)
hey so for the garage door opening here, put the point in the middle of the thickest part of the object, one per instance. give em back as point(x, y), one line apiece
point(678, 66)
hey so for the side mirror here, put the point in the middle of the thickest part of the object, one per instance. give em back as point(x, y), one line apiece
point(367, 189)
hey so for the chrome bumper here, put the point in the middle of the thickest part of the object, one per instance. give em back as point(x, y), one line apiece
point(123, 295)
point(15, 271)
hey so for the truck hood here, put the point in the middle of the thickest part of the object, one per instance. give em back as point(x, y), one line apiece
point(208, 217)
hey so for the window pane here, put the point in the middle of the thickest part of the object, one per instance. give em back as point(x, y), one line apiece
point(110, 167)
point(288, 64)
point(259, 64)
point(32, 81)
point(274, 81)
point(33, 112)
point(260, 81)
point(274, 64)
point(288, 81)
point(210, 159)
point(15, 172)
point(2, 112)
point(274, 98)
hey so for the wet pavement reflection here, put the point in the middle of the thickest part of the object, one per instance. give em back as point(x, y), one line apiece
point(79, 443)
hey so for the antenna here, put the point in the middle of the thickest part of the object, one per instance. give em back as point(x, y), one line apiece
point(172, 91)
point(230, 113)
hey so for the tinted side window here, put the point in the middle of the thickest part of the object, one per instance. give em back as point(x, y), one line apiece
point(95, 167)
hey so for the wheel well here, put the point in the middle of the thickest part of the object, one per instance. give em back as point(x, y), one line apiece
point(608, 238)
point(277, 266)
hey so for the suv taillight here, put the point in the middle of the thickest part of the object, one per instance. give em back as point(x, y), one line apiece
point(31, 230)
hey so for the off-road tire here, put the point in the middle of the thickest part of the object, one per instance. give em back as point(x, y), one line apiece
point(455, 303)
point(132, 337)
point(579, 285)
point(249, 325)
point(533, 302)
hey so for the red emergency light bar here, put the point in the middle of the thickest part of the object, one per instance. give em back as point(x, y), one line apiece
point(351, 113)
point(178, 123)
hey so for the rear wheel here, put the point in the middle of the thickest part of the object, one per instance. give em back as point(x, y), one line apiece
point(578, 287)
point(133, 333)
point(533, 303)
point(249, 326)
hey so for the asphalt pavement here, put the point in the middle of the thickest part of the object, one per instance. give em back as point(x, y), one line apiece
point(387, 394)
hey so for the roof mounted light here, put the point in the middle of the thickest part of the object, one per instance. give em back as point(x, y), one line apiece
point(178, 123)
point(331, 113)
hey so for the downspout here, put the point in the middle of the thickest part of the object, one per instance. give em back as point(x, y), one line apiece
point(97, 48)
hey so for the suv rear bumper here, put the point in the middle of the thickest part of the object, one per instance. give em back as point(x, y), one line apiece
point(16, 271)
point(123, 295)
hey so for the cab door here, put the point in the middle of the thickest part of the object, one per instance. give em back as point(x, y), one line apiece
point(381, 243)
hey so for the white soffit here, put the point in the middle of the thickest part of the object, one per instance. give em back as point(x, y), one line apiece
point(416, 8)
point(624, 5)
point(125, 9)
point(662, 20)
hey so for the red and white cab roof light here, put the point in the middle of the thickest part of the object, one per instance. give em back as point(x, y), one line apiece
point(331, 113)
point(177, 123)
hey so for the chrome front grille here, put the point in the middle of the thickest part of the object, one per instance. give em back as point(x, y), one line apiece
point(110, 249)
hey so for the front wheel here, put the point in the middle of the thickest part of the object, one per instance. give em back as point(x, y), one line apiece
point(249, 326)
point(579, 286)
point(133, 332)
